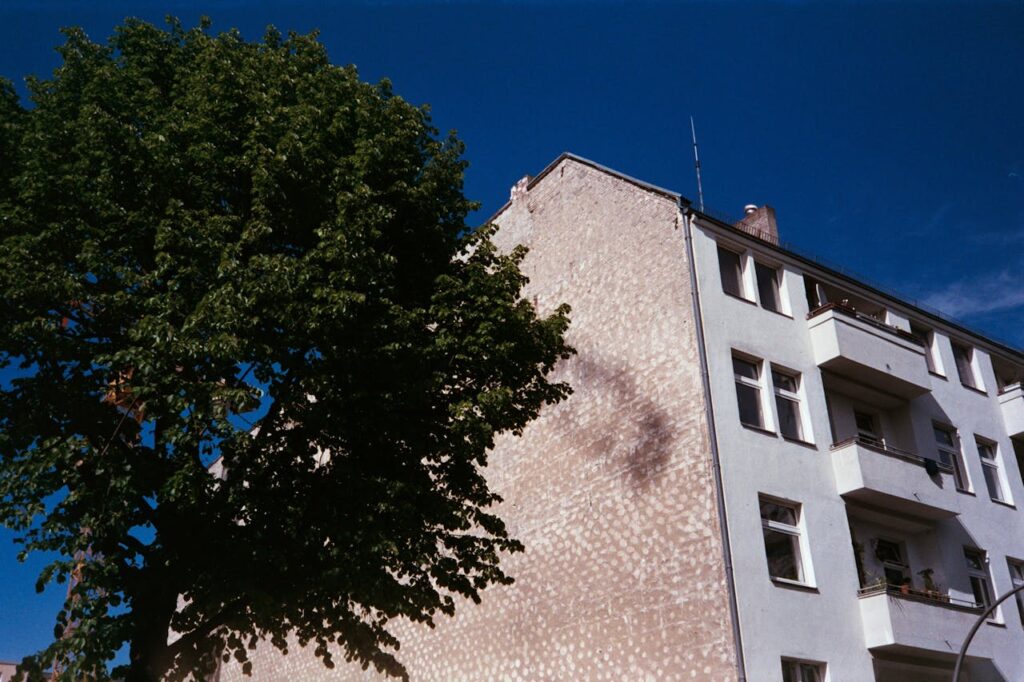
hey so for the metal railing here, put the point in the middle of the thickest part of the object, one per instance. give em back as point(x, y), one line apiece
point(924, 596)
point(880, 446)
point(772, 239)
point(850, 311)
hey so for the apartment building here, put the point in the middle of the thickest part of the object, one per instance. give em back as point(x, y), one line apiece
point(768, 471)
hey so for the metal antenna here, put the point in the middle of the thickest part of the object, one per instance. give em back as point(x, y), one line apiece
point(696, 161)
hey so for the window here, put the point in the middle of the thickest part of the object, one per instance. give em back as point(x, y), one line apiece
point(977, 571)
point(731, 269)
point(1017, 578)
point(990, 467)
point(787, 402)
point(748, 392)
point(867, 428)
point(964, 357)
point(768, 287)
point(948, 444)
point(894, 564)
point(931, 355)
point(802, 671)
point(780, 523)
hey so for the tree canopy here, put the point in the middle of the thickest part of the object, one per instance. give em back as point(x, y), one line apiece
point(211, 247)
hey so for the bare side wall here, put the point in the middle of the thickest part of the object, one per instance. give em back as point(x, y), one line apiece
point(611, 491)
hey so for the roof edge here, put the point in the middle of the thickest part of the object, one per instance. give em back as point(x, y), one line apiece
point(569, 156)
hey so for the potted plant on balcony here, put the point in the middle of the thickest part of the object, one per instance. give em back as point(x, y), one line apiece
point(931, 588)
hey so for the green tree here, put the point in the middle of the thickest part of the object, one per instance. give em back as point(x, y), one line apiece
point(213, 247)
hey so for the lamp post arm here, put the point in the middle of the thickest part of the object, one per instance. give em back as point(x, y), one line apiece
point(974, 630)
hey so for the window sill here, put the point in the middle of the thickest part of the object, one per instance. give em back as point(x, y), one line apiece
point(938, 376)
point(778, 312)
point(963, 491)
point(739, 298)
point(794, 584)
point(1004, 503)
point(973, 389)
point(759, 429)
point(996, 623)
point(797, 441)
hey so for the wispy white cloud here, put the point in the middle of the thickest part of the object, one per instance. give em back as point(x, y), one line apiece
point(991, 293)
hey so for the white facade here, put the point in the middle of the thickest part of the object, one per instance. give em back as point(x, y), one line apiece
point(867, 468)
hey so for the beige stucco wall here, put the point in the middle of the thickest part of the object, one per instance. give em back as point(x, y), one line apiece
point(611, 492)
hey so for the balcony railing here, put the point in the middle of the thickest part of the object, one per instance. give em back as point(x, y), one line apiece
point(924, 596)
point(879, 445)
point(850, 311)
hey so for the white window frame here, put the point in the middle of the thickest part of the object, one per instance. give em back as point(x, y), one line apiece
point(799, 666)
point(778, 280)
point(1016, 568)
point(756, 384)
point(806, 571)
point(931, 349)
point(953, 455)
point(741, 256)
point(903, 565)
point(992, 463)
point(983, 575)
point(796, 397)
point(973, 376)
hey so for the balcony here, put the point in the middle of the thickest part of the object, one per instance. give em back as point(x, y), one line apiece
point(879, 475)
point(859, 347)
point(917, 623)
point(1011, 400)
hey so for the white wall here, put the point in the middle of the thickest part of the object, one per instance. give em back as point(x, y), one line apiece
point(825, 624)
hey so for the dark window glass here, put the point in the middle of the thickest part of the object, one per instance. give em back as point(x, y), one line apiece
point(748, 392)
point(962, 355)
point(789, 418)
point(768, 287)
point(732, 274)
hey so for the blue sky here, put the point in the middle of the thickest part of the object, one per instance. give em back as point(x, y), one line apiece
point(889, 137)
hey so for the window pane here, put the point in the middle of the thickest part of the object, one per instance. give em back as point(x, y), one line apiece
point(975, 560)
point(789, 418)
point(749, 399)
point(943, 437)
point(811, 672)
point(742, 368)
point(783, 552)
point(992, 481)
point(986, 451)
point(889, 551)
point(770, 511)
point(1017, 577)
point(963, 365)
point(768, 286)
point(979, 586)
point(790, 671)
point(866, 427)
point(729, 267)
point(784, 381)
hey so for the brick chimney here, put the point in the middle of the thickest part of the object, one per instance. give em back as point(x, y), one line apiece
point(759, 222)
point(519, 189)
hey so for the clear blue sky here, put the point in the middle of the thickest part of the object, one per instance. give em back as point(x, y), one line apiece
point(889, 138)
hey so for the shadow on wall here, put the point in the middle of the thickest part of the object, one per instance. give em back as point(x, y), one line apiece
point(612, 418)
